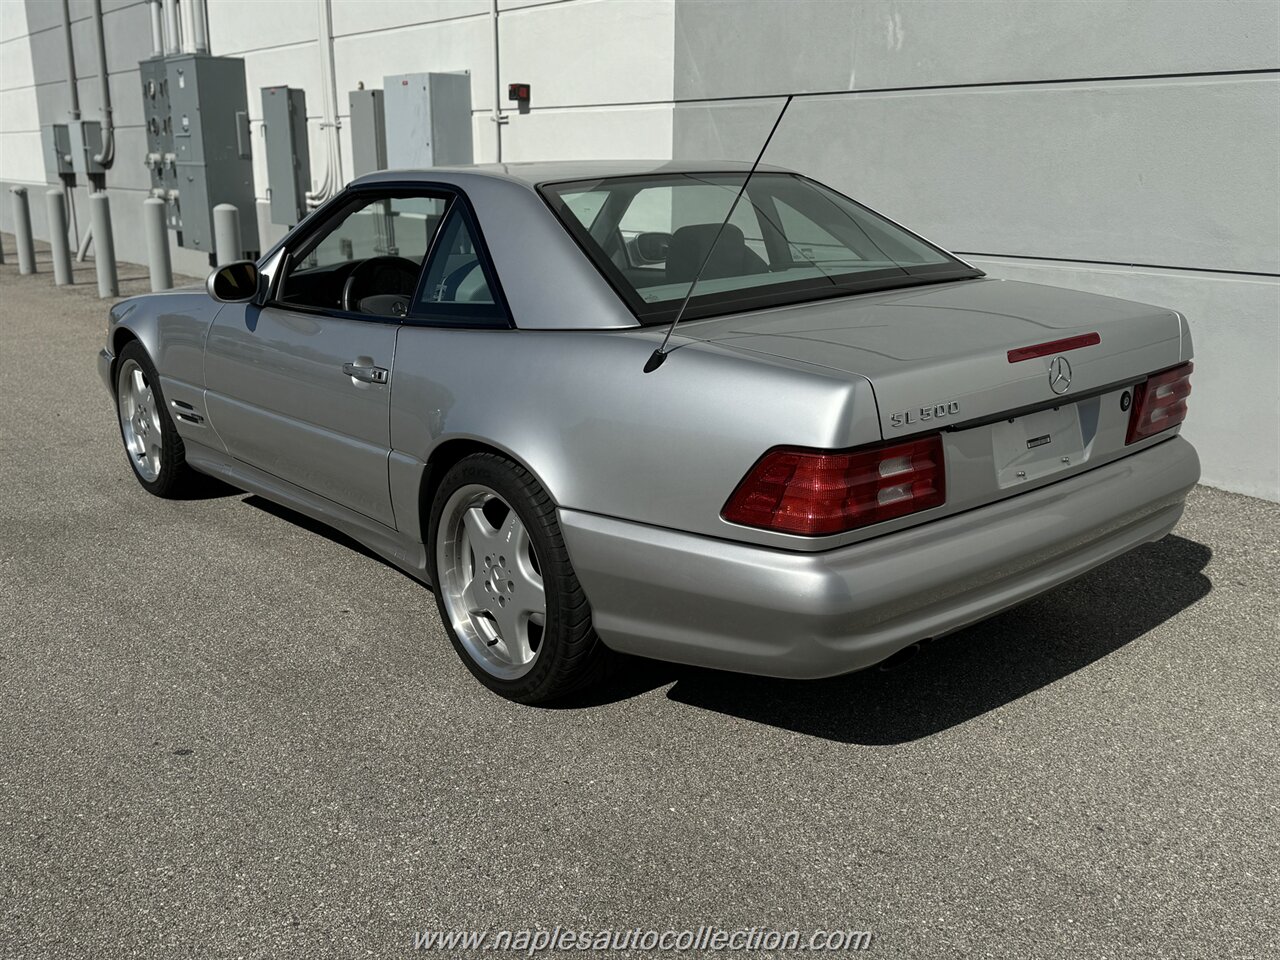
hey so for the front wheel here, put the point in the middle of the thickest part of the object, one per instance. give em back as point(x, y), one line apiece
point(151, 441)
point(507, 593)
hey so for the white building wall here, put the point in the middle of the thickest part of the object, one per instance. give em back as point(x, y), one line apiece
point(34, 53)
point(1127, 147)
point(601, 70)
point(19, 112)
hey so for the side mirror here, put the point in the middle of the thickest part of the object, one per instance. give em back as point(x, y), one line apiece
point(234, 282)
point(652, 247)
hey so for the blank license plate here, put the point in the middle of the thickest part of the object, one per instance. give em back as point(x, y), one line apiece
point(1036, 445)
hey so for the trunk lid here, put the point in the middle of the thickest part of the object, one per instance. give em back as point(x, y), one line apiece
point(937, 356)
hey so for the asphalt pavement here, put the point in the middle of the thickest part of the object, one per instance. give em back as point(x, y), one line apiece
point(226, 731)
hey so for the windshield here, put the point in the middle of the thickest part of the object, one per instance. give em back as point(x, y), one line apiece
point(789, 240)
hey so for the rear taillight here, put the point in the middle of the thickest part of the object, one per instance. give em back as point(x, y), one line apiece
point(1160, 403)
point(816, 492)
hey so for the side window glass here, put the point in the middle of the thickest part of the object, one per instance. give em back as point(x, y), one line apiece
point(457, 285)
point(368, 260)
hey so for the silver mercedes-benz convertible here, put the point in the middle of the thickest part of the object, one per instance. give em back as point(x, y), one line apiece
point(852, 440)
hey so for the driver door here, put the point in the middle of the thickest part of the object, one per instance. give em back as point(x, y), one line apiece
point(301, 386)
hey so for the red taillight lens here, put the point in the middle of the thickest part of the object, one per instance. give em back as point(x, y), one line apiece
point(814, 492)
point(1160, 403)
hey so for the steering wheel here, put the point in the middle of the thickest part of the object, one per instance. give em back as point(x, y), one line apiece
point(396, 276)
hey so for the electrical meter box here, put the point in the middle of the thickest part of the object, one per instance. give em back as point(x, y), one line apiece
point(208, 119)
point(157, 121)
point(85, 137)
point(428, 119)
point(368, 132)
point(57, 152)
point(284, 125)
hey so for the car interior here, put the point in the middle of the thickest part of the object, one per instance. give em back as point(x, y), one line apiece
point(371, 259)
point(658, 233)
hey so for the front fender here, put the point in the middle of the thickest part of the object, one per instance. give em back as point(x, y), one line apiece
point(171, 326)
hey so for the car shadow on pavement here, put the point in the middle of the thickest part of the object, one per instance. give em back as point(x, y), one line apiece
point(983, 667)
point(318, 527)
point(205, 487)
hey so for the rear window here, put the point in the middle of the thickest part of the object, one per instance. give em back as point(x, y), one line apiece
point(788, 240)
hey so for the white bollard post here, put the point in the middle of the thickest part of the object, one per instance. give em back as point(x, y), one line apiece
point(22, 230)
point(104, 245)
point(153, 215)
point(60, 247)
point(226, 233)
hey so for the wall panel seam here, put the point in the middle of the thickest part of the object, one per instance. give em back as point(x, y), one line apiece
point(1115, 263)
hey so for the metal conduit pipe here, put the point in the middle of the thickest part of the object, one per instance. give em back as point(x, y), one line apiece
point(83, 250)
point(157, 28)
point(108, 152)
point(73, 86)
point(332, 181)
point(498, 117)
point(172, 28)
point(184, 26)
point(70, 202)
point(200, 26)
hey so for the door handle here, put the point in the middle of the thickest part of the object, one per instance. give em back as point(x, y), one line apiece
point(364, 373)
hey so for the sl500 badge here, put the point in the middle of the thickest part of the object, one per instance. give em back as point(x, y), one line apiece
point(936, 412)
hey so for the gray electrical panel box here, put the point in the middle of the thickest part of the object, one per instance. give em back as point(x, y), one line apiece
point(196, 114)
point(85, 137)
point(368, 132)
point(57, 152)
point(157, 119)
point(284, 125)
point(428, 119)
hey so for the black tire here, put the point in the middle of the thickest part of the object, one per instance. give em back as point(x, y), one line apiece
point(175, 478)
point(570, 655)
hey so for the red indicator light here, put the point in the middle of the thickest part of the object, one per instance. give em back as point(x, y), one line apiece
point(1054, 346)
point(817, 492)
point(1160, 403)
point(518, 92)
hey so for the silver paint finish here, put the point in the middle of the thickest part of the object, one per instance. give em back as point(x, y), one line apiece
point(602, 436)
point(279, 397)
point(640, 465)
point(948, 343)
point(669, 595)
point(171, 326)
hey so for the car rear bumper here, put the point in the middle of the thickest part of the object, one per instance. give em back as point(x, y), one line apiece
point(674, 596)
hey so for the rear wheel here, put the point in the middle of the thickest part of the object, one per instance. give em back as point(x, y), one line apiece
point(151, 441)
point(507, 593)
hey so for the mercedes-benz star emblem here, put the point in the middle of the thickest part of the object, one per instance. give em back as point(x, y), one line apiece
point(1059, 375)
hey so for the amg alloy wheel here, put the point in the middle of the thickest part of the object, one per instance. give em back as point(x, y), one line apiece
point(151, 441)
point(139, 420)
point(507, 593)
point(491, 581)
